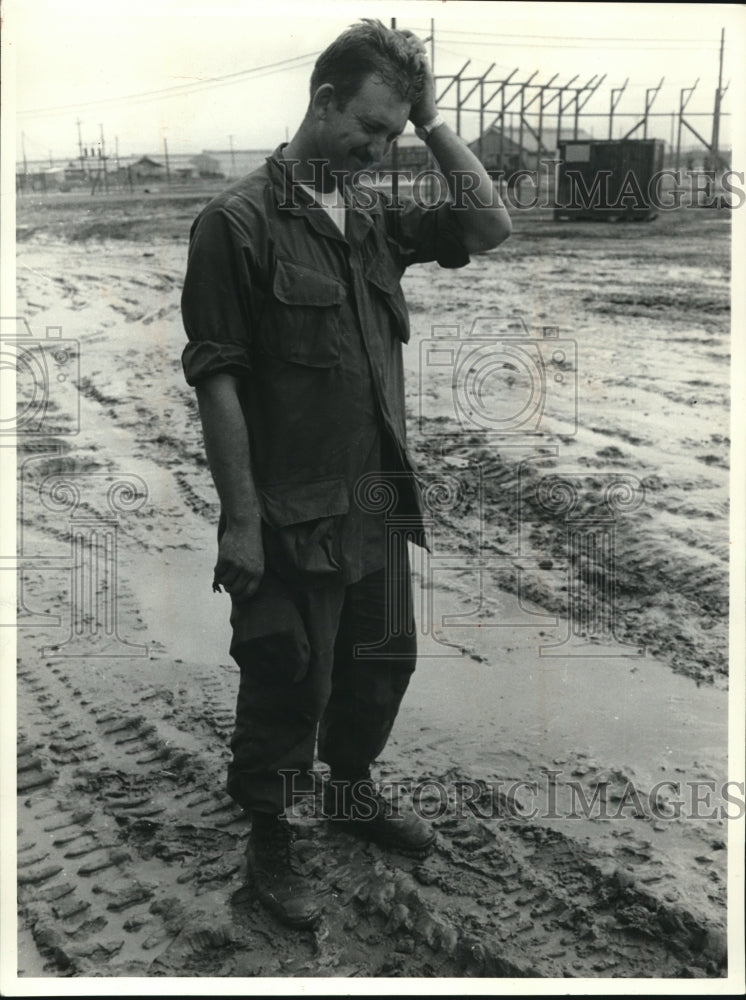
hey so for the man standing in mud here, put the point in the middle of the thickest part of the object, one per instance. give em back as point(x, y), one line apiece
point(295, 318)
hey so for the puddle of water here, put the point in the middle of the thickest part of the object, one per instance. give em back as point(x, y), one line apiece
point(631, 710)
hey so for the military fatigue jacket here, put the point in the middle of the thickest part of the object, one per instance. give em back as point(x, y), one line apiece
point(312, 322)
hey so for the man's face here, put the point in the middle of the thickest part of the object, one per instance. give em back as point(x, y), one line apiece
point(359, 136)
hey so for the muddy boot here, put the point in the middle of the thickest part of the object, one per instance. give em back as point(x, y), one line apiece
point(279, 888)
point(355, 806)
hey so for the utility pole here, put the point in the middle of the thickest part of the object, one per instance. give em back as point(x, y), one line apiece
point(168, 168)
point(25, 163)
point(233, 156)
point(102, 155)
point(116, 151)
point(718, 97)
point(80, 145)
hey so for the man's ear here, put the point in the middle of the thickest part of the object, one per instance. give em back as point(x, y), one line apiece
point(323, 100)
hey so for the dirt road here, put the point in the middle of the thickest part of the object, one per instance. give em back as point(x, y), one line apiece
point(130, 855)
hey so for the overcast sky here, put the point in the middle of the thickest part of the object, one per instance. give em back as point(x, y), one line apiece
point(115, 64)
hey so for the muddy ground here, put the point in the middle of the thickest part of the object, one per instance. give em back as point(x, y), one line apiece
point(130, 856)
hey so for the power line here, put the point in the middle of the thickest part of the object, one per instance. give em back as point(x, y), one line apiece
point(594, 44)
point(182, 88)
point(30, 139)
point(443, 48)
point(562, 39)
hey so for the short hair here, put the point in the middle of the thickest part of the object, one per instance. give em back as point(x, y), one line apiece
point(365, 49)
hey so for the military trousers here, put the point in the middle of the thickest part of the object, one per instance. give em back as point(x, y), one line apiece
point(317, 659)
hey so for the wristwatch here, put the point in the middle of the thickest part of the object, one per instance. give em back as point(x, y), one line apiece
point(425, 131)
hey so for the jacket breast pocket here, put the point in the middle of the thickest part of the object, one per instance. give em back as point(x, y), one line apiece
point(301, 321)
point(385, 276)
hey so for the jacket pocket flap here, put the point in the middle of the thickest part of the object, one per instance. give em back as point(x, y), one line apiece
point(294, 503)
point(383, 273)
point(296, 285)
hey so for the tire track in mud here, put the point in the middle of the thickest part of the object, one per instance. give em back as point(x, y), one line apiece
point(131, 863)
point(96, 783)
point(674, 602)
point(208, 509)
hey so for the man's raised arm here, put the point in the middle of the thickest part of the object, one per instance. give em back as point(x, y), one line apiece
point(240, 564)
point(484, 218)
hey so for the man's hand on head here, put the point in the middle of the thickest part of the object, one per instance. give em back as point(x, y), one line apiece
point(485, 222)
point(425, 109)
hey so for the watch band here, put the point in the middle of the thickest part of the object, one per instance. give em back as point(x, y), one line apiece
point(425, 131)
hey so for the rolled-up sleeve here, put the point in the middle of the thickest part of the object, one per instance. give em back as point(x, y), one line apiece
point(219, 299)
point(425, 233)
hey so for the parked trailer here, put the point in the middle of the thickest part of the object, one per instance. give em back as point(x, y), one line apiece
point(607, 179)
